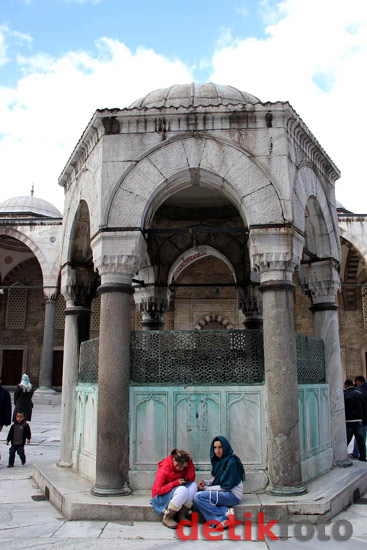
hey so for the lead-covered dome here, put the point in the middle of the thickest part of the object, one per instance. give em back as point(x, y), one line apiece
point(194, 95)
point(29, 206)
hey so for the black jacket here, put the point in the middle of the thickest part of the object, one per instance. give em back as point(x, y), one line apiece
point(5, 407)
point(353, 401)
point(363, 389)
point(26, 433)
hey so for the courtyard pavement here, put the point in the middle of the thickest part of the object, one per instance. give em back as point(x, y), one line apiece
point(29, 521)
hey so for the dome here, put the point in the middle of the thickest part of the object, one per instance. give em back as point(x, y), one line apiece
point(194, 95)
point(31, 206)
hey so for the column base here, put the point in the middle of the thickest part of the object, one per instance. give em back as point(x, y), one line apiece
point(285, 491)
point(123, 491)
point(343, 463)
point(46, 389)
point(62, 464)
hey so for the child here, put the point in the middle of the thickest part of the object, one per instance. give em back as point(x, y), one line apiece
point(18, 434)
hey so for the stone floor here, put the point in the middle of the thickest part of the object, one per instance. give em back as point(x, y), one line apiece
point(28, 521)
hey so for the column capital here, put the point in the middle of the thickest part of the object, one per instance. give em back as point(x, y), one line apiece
point(118, 255)
point(275, 251)
point(77, 285)
point(250, 303)
point(152, 299)
point(50, 294)
point(320, 281)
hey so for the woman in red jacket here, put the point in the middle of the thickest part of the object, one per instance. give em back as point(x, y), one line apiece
point(174, 487)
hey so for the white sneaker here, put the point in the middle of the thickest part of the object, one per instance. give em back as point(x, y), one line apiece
point(230, 512)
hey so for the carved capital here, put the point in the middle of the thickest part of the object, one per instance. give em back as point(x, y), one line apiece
point(320, 281)
point(78, 286)
point(50, 294)
point(152, 299)
point(274, 252)
point(118, 255)
point(250, 303)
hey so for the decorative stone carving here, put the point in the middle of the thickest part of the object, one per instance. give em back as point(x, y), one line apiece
point(320, 281)
point(78, 286)
point(250, 303)
point(118, 267)
point(153, 302)
point(274, 252)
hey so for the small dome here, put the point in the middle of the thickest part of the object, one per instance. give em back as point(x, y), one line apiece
point(194, 95)
point(31, 206)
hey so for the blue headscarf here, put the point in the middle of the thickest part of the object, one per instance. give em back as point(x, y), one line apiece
point(227, 471)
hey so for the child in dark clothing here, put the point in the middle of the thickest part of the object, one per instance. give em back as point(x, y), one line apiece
point(19, 433)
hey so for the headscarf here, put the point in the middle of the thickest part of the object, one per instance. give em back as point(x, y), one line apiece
point(228, 470)
point(25, 383)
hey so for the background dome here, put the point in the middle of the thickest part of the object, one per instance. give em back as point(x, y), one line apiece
point(30, 206)
point(194, 95)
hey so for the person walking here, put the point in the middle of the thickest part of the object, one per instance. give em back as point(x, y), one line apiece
point(361, 385)
point(23, 398)
point(353, 401)
point(174, 488)
point(19, 433)
point(216, 496)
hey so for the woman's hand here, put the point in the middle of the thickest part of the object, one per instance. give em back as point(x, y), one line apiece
point(188, 454)
point(182, 481)
point(201, 485)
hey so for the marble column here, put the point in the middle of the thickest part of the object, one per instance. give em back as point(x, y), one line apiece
point(116, 271)
point(76, 320)
point(112, 461)
point(320, 281)
point(274, 253)
point(45, 378)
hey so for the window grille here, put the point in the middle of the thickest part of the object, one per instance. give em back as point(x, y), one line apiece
point(364, 306)
point(96, 313)
point(59, 314)
point(16, 307)
point(138, 319)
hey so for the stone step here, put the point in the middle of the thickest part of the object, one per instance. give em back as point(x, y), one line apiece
point(327, 496)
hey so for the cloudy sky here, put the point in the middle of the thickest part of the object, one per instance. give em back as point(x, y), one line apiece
point(60, 60)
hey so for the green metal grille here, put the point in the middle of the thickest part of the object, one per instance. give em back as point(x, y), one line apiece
point(197, 357)
point(204, 357)
point(88, 361)
point(310, 359)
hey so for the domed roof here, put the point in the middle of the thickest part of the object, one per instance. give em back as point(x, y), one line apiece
point(29, 206)
point(194, 95)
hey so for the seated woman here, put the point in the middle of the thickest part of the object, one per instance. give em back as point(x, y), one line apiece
point(174, 488)
point(225, 489)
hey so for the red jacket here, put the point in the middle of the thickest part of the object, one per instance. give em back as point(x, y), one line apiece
point(167, 476)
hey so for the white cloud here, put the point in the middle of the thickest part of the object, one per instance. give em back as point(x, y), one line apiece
point(242, 10)
point(43, 117)
point(315, 56)
point(9, 37)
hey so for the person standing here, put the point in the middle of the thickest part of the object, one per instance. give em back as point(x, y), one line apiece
point(23, 398)
point(217, 495)
point(353, 401)
point(19, 433)
point(5, 406)
point(361, 385)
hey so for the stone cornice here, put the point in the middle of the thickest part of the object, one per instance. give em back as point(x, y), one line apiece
point(197, 120)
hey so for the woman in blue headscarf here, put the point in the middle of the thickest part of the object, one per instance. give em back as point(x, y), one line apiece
point(217, 495)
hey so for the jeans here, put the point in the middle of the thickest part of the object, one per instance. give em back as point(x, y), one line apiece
point(215, 504)
point(16, 449)
point(355, 448)
point(356, 429)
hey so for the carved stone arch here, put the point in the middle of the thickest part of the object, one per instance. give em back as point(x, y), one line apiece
point(194, 254)
point(207, 161)
point(69, 219)
point(359, 246)
point(45, 268)
point(214, 317)
point(351, 292)
point(312, 215)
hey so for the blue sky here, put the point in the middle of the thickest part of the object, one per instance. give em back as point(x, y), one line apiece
point(60, 60)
